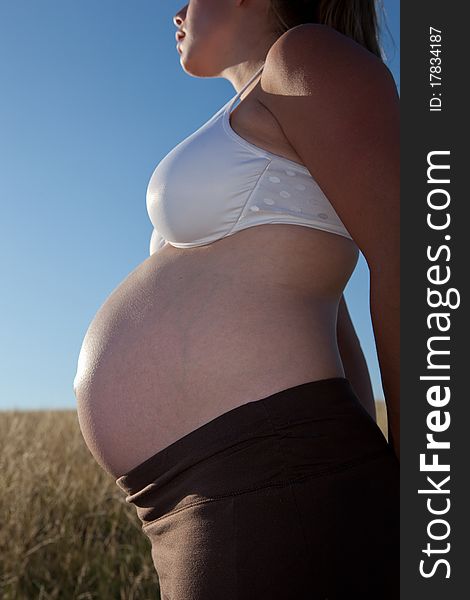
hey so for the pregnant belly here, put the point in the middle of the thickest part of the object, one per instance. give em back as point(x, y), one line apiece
point(182, 340)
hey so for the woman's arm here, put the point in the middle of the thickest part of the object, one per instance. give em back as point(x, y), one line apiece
point(338, 105)
point(385, 311)
point(354, 362)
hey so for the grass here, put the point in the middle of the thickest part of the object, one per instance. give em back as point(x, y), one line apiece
point(67, 532)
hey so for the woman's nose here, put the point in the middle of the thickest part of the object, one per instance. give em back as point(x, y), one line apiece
point(179, 17)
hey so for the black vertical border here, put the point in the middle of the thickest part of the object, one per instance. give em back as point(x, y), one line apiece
point(423, 131)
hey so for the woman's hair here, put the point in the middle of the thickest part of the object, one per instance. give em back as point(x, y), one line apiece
point(354, 18)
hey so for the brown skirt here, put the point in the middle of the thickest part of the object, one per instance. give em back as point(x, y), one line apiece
point(294, 496)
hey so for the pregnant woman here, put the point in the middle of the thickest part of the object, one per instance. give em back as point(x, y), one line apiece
point(221, 384)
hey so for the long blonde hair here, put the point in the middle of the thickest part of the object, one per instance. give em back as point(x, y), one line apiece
point(355, 18)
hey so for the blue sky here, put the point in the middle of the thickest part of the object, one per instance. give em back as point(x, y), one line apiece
point(93, 97)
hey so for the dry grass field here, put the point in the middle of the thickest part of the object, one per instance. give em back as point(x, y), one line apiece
point(67, 532)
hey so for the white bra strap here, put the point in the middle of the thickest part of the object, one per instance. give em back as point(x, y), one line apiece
point(252, 78)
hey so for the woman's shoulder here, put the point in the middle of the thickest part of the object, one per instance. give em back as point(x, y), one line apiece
point(313, 58)
point(318, 82)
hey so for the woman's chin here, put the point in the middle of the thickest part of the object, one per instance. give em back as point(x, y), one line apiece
point(190, 66)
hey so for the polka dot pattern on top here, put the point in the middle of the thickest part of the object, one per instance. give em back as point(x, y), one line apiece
point(290, 193)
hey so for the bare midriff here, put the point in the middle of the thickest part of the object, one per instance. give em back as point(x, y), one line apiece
point(193, 333)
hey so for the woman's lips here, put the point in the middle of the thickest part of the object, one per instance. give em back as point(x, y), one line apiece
point(179, 35)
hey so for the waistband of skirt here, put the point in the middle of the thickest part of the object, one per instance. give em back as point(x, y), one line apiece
point(321, 399)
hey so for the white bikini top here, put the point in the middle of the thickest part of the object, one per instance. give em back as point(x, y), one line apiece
point(215, 183)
